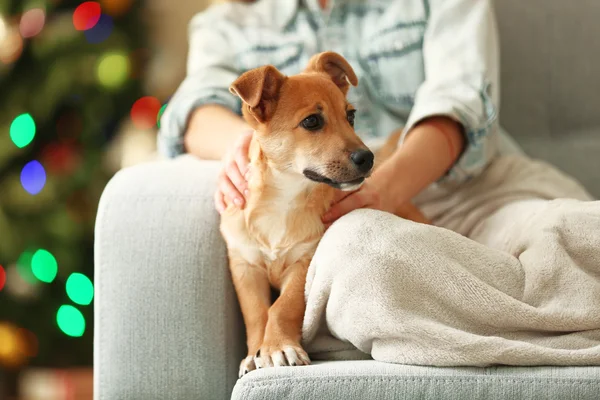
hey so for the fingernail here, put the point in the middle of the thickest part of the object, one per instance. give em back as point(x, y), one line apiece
point(246, 193)
point(238, 201)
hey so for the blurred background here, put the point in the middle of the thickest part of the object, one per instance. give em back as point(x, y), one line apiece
point(82, 85)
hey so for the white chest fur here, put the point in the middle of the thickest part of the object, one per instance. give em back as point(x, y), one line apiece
point(277, 229)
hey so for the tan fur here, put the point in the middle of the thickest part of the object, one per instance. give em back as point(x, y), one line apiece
point(272, 240)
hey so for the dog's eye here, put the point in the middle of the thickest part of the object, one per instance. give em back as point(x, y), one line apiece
point(313, 122)
point(350, 116)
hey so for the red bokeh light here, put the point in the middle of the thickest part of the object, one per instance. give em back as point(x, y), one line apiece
point(144, 112)
point(2, 277)
point(86, 15)
point(60, 158)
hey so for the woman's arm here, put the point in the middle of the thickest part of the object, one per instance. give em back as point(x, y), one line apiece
point(201, 117)
point(431, 149)
point(460, 53)
point(212, 130)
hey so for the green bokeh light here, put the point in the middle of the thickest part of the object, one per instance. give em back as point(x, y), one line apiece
point(80, 289)
point(160, 113)
point(71, 321)
point(113, 70)
point(44, 266)
point(22, 130)
point(24, 267)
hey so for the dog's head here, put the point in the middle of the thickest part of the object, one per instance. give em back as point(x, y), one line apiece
point(304, 122)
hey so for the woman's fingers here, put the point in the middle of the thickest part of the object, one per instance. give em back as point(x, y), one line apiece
point(241, 155)
point(348, 204)
point(235, 176)
point(230, 191)
point(220, 202)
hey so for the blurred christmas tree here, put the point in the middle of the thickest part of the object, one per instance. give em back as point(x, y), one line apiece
point(69, 74)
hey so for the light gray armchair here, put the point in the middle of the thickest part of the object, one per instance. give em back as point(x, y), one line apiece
point(167, 320)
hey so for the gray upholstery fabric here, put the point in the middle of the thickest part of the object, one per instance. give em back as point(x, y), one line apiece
point(550, 58)
point(167, 320)
point(362, 380)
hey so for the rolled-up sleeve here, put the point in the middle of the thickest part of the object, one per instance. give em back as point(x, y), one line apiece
point(461, 63)
point(210, 72)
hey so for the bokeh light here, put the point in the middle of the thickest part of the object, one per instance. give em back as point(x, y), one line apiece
point(101, 31)
point(160, 113)
point(3, 30)
point(32, 22)
point(116, 7)
point(60, 158)
point(113, 70)
point(70, 321)
point(13, 348)
point(2, 277)
point(11, 45)
point(44, 266)
point(22, 130)
point(145, 111)
point(86, 15)
point(80, 289)
point(33, 177)
point(24, 267)
point(31, 342)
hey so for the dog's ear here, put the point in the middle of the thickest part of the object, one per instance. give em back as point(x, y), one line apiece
point(259, 90)
point(336, 67)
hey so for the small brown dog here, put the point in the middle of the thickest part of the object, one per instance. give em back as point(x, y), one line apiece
point(304, 147)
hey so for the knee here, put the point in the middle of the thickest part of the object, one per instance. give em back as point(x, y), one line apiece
point(367, 231)
point(567, 215)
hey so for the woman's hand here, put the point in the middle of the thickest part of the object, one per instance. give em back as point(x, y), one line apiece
point(369, 195)
point(233, 178)
point(430, 149)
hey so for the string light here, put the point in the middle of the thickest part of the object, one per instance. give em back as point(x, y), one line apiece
point(3, 30)
point(160, 113)
point(145, 111)
point(86, 15)
point(113, 70)
point(101, 31)
point(80, 289)
point(2, 277)
point(44, 266)
point(116, 7)
point(24, 267)
point(22, 130)
point(11, 45)
point(70, 321)
point(33, 177)
point(32, 22)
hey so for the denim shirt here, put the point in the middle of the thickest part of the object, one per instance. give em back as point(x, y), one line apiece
point(414, 59)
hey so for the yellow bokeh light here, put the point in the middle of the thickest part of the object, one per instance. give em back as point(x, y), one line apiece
point(113, 70)
point(11, 346)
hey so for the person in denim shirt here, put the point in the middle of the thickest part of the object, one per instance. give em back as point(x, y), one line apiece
point(427, 66)
point(430, 66)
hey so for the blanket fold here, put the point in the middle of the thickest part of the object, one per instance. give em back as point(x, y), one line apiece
point(523, 290)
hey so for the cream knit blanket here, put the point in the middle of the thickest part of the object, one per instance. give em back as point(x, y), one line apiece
point(519, 284)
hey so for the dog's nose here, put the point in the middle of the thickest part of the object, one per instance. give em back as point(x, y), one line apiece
point(363, 160)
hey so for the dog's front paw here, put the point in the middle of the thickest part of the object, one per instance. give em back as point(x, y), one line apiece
point(280, 356)
point(247, 365)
